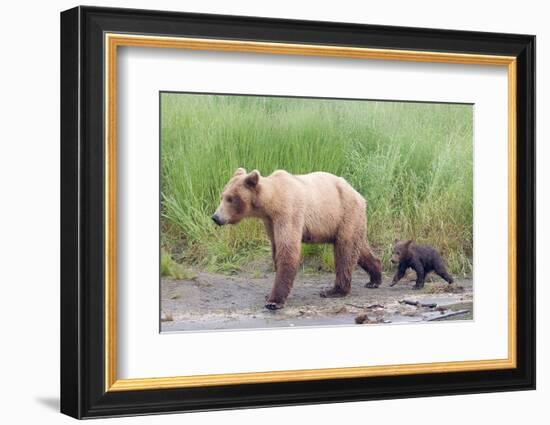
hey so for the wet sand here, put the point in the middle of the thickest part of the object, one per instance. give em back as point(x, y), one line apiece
point(220, 302)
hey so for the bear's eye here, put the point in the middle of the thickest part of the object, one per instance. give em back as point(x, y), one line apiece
point(229, 199)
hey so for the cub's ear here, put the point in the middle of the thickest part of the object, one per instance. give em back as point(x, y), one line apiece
point(239, 172)
point(396, 240)
point(252, 179)
point(408, 243)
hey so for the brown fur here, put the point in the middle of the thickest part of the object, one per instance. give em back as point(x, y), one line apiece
point(423, 259)
point(314, 208)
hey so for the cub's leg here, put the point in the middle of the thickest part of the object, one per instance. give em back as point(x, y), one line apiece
point(287, 260)
point(371, 265)
point(345, 257)
point(420, 276)
point(399, 274)
point(441, 270)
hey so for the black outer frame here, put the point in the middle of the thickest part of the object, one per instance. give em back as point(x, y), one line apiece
point(82, 212)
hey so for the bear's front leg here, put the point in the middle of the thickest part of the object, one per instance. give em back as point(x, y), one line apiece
point(269, 230)
point(287, 260)
point(399, 274)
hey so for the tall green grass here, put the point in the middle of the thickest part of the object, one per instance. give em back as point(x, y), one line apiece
point(413, 162)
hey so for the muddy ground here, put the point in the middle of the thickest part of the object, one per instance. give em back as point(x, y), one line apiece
point(215, 302)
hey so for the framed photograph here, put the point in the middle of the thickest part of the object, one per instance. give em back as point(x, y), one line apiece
point(261, 212)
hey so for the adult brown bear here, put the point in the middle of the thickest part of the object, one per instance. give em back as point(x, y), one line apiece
point(314, 208)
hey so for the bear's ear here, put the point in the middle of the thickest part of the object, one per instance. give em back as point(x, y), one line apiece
point(408, 243)
point(396, 240)
point(240, 171)
point(252, 179)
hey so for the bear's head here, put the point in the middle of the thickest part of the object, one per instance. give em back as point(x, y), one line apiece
point(238, 197)
point(400, 251)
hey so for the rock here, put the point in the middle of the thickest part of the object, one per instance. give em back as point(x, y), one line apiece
point(166, 317)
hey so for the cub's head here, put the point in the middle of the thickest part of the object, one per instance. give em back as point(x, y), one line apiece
point(400, 251)
point(238, 197)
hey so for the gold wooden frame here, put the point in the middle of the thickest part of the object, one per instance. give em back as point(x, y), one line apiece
point(113, 41)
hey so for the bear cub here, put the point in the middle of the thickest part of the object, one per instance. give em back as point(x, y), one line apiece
point(421, 258)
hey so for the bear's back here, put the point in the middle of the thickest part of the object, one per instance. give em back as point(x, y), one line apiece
point(323, 200)
point(318, 187)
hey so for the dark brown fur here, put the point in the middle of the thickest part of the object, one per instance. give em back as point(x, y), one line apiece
point(423, 259)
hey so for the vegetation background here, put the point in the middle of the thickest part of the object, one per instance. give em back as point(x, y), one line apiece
point(413, 162)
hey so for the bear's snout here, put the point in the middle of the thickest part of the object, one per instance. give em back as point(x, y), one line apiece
point(216, 218)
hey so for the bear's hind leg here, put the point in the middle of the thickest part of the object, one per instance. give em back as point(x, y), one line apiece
point(345, 257)
point(442, 271)
point(371, 265)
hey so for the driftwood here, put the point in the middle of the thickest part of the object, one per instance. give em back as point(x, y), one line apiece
point(450, 314)
point(368, 307)
point(418, 303)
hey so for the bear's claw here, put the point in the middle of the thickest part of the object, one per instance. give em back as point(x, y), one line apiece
point(273, 305)
point(332, 293)
point(372, 285)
